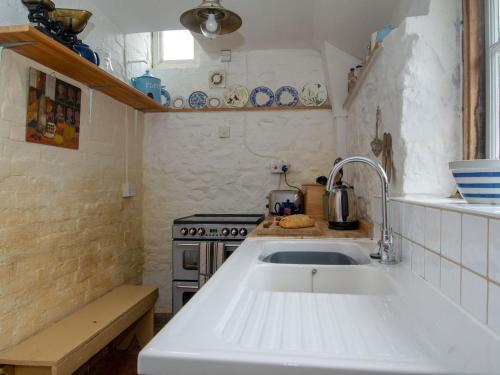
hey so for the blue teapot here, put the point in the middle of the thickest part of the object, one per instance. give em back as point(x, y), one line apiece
point(286, 208)
point(150, 86)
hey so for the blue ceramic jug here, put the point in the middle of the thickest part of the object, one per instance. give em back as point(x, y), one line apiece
point(149, 85)
point(84, 51)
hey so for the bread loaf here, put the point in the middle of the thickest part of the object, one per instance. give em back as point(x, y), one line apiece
point(296, 221)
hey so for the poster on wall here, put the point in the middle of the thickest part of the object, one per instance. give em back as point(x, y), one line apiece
point(53, 111)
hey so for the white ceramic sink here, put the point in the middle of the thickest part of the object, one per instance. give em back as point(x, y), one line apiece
point(260, 318)
point(316, 279)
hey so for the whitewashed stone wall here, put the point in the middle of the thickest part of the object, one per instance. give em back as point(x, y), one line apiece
point(188, 169)
point(66, 234)
point(417, 83)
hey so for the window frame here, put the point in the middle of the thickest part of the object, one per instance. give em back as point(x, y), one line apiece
point(158, 63)
point(492, 24)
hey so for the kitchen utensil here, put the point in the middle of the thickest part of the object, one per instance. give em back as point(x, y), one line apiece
point(149, 85)
point(340, 206)
point(387, 155)
point(294, 197)
point(74, 22)
point(39, 15)
point(478, 180)
point(165, 94)
point(377, 144)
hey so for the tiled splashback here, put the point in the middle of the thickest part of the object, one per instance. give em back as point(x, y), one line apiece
point(457, 252)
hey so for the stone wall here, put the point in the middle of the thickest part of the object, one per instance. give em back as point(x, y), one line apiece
point(417, 83)
point(188, 169)
point(66, 234)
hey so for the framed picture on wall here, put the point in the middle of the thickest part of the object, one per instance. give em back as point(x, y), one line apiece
point(53, 111)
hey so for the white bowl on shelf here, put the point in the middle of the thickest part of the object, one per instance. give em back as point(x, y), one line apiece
point(478, 180)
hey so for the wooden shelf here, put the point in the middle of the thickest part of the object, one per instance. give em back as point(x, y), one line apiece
point(252, 109)
point(366, 70)
point(35, 45)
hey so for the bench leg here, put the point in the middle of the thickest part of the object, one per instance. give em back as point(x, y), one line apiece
point(143, 329)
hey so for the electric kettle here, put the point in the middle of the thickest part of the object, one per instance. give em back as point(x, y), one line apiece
point(340, 206)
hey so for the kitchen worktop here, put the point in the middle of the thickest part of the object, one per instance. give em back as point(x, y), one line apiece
point(259, 318)
point(365, 230)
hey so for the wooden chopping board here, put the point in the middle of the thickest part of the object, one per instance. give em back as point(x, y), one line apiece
point(276, 230)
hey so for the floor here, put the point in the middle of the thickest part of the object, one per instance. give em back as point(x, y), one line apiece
point(111, 361)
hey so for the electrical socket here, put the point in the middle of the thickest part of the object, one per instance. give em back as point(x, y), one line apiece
point(278, 165)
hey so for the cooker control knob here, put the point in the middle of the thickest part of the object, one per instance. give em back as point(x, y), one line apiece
point(201, 232)
point(234, 232)
point(192, 231)
point(184, 231)
point(243, 232)
point(225, 232)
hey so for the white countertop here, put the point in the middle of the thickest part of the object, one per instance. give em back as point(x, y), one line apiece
point(233, 326)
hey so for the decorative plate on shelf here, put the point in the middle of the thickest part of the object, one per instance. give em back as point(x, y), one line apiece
point(287, 96)
point(178, 102)
point(313, 94)
point(262, 97)
point(166, 99)
point(236, 96)
point(214, 102)
point(198, 100)
point(217, 79)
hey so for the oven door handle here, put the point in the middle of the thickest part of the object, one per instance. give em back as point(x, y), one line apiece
point(219, 255)
point(188, 244)
point(204, 267)
point(186, 287)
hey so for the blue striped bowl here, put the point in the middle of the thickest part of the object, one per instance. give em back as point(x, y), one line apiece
point(478, 180)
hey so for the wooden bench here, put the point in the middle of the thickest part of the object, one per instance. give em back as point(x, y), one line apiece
point(124, 313)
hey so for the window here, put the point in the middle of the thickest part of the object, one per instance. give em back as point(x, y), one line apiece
point(493, 79)
point(173, 48)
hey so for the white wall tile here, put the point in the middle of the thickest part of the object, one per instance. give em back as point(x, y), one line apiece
point(395, 216)
point(406, 252)
point(416, 220)
point(474, 294)
point(494, 250)
point(451, 238)
point(433, 229)
point(432, 268)
point(397, 245)
point(450, 280)
point(403, 215)
point(475, 243)
point(417, 259)
point(494, 308)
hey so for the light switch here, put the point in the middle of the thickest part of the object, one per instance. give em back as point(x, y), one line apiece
point(224, 132)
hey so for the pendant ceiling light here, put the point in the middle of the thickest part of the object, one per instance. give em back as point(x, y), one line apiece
point(211, 19)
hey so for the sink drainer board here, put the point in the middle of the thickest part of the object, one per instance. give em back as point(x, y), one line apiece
point(329, 280)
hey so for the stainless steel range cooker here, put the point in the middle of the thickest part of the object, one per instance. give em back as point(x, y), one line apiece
point(201, 243)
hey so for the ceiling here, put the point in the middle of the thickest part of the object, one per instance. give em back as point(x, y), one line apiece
point(347, 24)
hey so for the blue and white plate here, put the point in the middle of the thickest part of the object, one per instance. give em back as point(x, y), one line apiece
point(287, 96)
point(198, 100)
point(165, 94)
point(262, 97)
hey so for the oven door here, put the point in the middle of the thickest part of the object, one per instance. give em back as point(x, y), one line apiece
point(186, 260)
point(182, 292)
